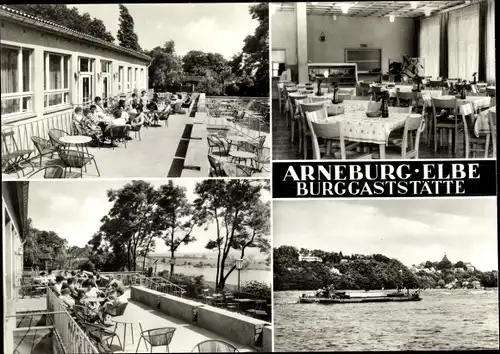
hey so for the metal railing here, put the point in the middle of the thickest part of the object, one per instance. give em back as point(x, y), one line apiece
point(155, 283)
point(71, 337)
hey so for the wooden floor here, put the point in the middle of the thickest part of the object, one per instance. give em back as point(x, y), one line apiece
point(284, 149)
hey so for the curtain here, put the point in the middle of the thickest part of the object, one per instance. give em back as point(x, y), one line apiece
point(9, 69)
point(463, 42)
point(55, 71)
point(483, 9)
point(490, 43)
point(443, 45)
point(429, 45)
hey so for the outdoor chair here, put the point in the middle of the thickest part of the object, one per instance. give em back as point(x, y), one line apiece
point(44, 147)
point(101, 336)
point(55, 135)
point(119, 133)
point(157, 337)
point(76, 159)
point(12, 156)
point(54, 171)
point(263, 158)
point(216, 168)
point(136, 129)
point(216, 142)
point(214, 346)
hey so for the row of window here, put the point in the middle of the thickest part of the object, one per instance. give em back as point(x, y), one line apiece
point(17, 73)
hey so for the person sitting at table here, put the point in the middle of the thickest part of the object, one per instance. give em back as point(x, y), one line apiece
point(177, 105)
point(91, 289)
point(58, 285)
point(143, 98)
point(187, 102)
point(152, 115)
point(78, 115)
point(99, 107)
point(133, 100)
point(113, 301)
point(66, 298)
point(139, 117)
point(70, 283)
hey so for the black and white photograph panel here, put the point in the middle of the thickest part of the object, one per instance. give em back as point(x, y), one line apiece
point(137, 266)
point(135, 90)
point(383, 79)
point(413, 274)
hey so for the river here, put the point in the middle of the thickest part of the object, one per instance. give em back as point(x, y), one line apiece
point(444, 320)
point(264, 276)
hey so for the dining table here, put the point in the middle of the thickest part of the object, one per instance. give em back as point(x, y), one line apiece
point(76, 140)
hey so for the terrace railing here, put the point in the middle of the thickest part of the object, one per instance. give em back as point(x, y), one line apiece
point(25, 129)
point(69, 334)
point(155, 283)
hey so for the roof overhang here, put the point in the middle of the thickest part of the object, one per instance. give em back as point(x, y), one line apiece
point(26, 19)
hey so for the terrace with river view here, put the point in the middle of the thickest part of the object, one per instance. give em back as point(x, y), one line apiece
point(151, 305)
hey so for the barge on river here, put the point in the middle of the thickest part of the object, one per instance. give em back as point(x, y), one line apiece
point(344, 298)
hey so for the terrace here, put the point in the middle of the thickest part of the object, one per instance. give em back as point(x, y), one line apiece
point(179, 146)
point(44, 325)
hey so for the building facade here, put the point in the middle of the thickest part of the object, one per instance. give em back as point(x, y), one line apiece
point(48, 69)
point(14, 216)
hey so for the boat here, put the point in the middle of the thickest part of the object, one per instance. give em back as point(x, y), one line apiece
point(354, 298)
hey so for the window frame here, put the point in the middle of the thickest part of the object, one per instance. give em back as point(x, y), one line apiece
point(20, 95)
point(273, 70)
point(64, 91)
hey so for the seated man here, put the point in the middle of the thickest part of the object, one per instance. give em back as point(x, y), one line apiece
point(66, 298)
point(58, 285)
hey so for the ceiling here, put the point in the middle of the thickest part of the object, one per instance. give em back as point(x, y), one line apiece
point(375, 8)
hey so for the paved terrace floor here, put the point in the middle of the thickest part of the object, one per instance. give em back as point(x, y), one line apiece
point(186, 335)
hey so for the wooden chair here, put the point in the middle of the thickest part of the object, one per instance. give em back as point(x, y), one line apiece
point(305, 132)
point(492, 119)
point(405, 99)
point(472, 143)
point(490, 92)
point(360, 98)
point(214, 346)
point(295, 117)
point(444, 124)
point(408, 146)
point(329, 131)
point(288, 108)
point(157, 337)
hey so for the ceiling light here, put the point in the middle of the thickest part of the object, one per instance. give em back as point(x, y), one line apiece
point(314, 3)
point(391, 18)
point(344, 6)
point(427, 11)
point(414, 4)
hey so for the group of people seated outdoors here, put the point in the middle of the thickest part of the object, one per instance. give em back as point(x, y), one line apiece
point(97, 295)
point(96, 120)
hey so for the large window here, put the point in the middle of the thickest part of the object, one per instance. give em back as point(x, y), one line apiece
point(429, 45)
point(120, 79)
point(278, 57)
point(15, 82)
point(56, 80)
point(463, 42)
point(129, 79)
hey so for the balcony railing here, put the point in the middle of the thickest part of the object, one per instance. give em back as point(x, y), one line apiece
point(155, 283)
point(72, 338)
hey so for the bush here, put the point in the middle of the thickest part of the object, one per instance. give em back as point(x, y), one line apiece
point(88, 266)
point(256, 288)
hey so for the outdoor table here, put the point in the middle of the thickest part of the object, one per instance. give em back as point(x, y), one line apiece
point(94, 299)
point(360, 128)
point(242, 155)
point(125, 324)
point(77, 140)
point(482, 124)
point(235, 138)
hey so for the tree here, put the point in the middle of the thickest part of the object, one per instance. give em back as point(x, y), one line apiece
point(256, 49)
point(67, 17)
point(166, 67)
point(241, 219)
point(129, 227)
point(127, 37)
point(174, 215)
point(460, 264)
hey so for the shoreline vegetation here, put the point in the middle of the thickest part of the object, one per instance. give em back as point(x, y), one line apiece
point(371, 272)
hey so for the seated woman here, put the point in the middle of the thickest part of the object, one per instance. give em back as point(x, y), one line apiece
point(99, 108)
point(113, 301)
point(138, 118)
point(152, 114)
point(78, 117)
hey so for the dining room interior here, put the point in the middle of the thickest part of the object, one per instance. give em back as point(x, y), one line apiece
point(383, 80)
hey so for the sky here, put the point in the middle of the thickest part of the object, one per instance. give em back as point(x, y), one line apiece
point(73, 209)
point(217, 28)
point(410, 230)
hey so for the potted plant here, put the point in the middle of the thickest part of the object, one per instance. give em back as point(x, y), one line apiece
point(410, 69)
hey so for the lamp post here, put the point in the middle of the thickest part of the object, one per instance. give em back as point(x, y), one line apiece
point(239, 266)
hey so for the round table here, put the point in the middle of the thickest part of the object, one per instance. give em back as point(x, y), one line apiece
point(242, 155)
point(236, 138)
point(77, 140)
